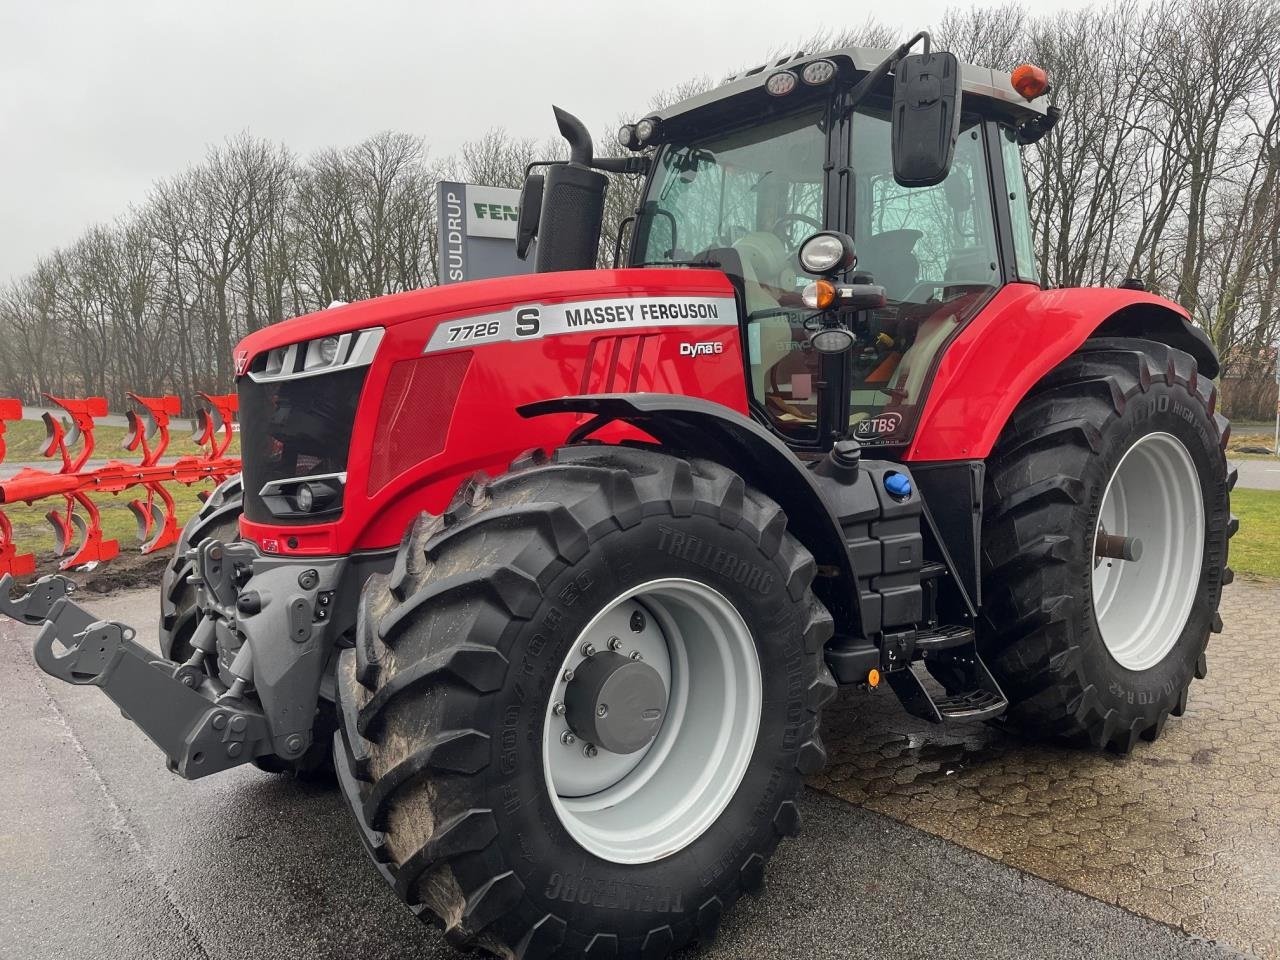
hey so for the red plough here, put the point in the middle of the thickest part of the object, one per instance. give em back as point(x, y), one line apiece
point(77, 522)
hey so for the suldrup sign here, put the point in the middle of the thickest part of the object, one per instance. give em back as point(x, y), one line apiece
point(476, 227)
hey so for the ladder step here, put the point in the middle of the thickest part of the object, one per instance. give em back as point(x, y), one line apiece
point(979, 696)
point(943, 637)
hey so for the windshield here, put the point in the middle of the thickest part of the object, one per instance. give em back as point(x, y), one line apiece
point(746, 201)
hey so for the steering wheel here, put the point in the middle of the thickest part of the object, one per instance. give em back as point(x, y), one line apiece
point(781, 228)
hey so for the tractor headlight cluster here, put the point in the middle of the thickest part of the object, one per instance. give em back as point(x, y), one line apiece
point(812, 74)
point(827, 253)
point(313, 497)
point(321, 355)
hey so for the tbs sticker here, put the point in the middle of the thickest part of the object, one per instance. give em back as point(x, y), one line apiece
point(879, 425)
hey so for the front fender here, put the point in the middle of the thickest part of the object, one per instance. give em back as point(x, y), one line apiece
point(705, 429)
point(1022, 334)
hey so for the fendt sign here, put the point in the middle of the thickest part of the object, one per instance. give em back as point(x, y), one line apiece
point(477, 230)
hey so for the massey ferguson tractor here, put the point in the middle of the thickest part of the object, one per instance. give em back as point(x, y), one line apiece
point(558, 570)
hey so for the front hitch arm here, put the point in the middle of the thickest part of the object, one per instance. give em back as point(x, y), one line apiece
point(177, 711)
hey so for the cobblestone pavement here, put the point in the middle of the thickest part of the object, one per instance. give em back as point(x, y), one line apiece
point(1185, 830)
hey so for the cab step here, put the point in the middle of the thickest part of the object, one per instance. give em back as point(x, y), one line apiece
point(974, 693)
point(943, 638)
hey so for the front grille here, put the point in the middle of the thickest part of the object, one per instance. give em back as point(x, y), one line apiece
point(417, 408)
point(295, 428)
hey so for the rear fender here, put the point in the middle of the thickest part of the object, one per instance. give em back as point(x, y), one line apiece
point(1022, 334)
point(705, 429)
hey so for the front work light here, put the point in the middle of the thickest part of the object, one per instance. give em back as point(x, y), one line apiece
point(818, 72)
point(627, 138)
point(781, 83)
point(827, 253)
point(646, 131)
point(831, 340)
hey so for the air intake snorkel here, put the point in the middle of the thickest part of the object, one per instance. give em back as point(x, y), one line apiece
point(572, 204)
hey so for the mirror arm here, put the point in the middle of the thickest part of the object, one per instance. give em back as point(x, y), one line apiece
point(881, 70)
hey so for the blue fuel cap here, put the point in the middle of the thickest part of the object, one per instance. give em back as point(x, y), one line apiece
point(898, 485)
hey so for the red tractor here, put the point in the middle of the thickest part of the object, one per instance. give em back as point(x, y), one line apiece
point(561, 569)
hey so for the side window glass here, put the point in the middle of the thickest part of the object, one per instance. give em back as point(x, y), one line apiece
point(1024, 248)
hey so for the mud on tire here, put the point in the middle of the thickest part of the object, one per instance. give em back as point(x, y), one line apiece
point(458, 649)
point(1046, 480)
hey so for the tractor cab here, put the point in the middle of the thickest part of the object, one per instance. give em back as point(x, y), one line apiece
point(740, 178)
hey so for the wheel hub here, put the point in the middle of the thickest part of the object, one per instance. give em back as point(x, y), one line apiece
point(615, 702)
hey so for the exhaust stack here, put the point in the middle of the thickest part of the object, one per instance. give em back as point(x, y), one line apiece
point(572, 204)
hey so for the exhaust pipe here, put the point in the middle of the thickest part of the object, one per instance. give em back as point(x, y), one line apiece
point(573, 130)
point(572, 204)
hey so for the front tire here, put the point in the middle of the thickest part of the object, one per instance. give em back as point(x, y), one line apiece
point(453, 699)
point(1121, 440)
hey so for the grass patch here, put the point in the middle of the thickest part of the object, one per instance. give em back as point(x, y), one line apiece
point(1256, 548)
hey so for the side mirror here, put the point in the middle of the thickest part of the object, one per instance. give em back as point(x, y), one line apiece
point(926, 118)
point(528, 213)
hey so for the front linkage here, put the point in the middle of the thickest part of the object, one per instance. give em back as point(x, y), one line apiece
point(203, 724)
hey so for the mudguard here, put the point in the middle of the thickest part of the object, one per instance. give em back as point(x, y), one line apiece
point(1017, 338)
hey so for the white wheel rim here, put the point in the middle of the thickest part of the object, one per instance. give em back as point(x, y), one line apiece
point(1141, 606)
point(644, 806)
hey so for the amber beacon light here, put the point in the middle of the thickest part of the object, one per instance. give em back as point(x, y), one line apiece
point(1030, 81)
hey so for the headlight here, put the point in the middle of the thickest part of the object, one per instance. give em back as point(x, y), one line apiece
point(827, 253)
point(627, 138)
point(305, 498)
point(321, 353)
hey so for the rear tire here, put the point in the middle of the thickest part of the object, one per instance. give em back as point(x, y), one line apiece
point(462, 648)
point(1083, 653)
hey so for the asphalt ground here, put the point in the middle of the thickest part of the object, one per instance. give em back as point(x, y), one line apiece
point(1258, 474)
point(103, 854)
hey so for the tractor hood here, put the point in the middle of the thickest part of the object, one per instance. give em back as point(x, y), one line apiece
point(480, 296)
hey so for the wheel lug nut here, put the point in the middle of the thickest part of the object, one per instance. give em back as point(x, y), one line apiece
point(615, 644)
point(635, 655)
point(588, 649)
point(568, 675)
point(589, 751)
point(568, 739)
point(602, 710)
point(558, 708)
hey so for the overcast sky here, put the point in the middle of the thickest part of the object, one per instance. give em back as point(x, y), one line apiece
point(98, 98)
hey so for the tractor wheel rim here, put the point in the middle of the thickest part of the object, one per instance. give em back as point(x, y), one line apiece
point(1142, 606)
point(641, 807)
